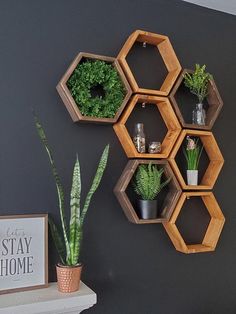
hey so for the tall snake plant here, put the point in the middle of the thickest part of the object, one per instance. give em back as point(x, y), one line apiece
point(68, 243)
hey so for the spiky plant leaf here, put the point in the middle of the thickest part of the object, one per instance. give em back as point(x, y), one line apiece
point(193, 156)
point(58, 240)
point(75, 211)
point(147, 181)
point(60, 191)
point(96, 181)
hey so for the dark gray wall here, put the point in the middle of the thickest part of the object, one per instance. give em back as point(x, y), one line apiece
point(133, 269)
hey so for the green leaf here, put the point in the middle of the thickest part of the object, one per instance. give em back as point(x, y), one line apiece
point(197, 82)
point(147, 181)
point(75, 213)
point(97, 179)
point(58, 240)
point(60, 191)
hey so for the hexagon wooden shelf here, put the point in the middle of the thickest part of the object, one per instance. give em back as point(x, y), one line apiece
point(216, 160)
point(214, 101)
point(212, 233)
point(168, 116)
point(170, 201)
point(167, 53)
point(69, 101)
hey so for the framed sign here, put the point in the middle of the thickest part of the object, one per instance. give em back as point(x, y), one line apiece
point(23, 252)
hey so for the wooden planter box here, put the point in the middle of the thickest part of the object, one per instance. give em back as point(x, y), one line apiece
point(212, 233)
point(214, 101)
point(167, 53)
point(169, 202)
point(216, 159)
point(69, 101)
point(169, 117)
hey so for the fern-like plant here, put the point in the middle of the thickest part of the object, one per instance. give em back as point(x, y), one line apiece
point(68, 242)
point(148, 181)
point(197, 82)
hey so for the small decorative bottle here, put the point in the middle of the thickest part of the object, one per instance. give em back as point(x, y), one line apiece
point(199, 115)
point(154, 148)
point(139, 138)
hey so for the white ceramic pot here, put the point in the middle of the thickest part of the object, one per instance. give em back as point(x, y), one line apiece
point(192, 177)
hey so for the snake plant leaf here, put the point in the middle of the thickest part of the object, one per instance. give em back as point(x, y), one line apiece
point(60, 191)
point(78, 241)
point(58, 240)
point(75, 211)
point(96, 181)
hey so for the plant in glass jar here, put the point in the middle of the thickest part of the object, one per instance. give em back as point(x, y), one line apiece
point(197, 82)
point(192, 154)
point(148, 184)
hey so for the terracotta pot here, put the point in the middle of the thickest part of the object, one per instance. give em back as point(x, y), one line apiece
point(68, 278)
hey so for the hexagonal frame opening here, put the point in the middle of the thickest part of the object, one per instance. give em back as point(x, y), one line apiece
point(170, 200)
point(69, 101)
point(167, 53)
point(214, 101)
point(212, 233)
point(214, 154)
point(168, 116)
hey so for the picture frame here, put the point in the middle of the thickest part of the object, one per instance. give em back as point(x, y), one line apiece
point(23, 252)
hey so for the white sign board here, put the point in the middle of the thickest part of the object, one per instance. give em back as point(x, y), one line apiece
point(23, 252)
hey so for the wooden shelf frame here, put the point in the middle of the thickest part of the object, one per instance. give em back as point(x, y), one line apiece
point(169, 118)
point(214, 100)
point(167, 53)
point(216, 159)
point(125, 179)
point(69, 101)
point(213, 231)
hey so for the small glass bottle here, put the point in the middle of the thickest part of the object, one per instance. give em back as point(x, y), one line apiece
point(199, 115)
point(139, 138)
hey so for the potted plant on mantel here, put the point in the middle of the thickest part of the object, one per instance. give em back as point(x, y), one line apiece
point(68, 242)
point(147, 184)
point(192, 154)
point(197, 82)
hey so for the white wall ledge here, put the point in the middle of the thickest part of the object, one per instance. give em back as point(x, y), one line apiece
point(48, 301)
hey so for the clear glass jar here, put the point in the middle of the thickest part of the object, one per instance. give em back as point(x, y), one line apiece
point(199, 115)
point(139, 138)
point(154, 148)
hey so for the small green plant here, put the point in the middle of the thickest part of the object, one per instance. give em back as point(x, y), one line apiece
point(192, 153)
point(68, 242)
point(89, 75)
point(147, 183)
point(198, 81)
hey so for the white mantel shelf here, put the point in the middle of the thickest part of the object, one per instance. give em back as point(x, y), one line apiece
point(48, 301)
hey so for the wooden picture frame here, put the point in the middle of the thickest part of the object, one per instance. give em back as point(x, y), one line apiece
point(23, 252)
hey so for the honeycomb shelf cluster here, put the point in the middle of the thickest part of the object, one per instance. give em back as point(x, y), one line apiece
point(168, 106)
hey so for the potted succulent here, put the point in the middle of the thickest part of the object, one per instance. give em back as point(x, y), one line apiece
point(148, 184)
point(68, 239)
point(192, 154)
point(197, 82)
